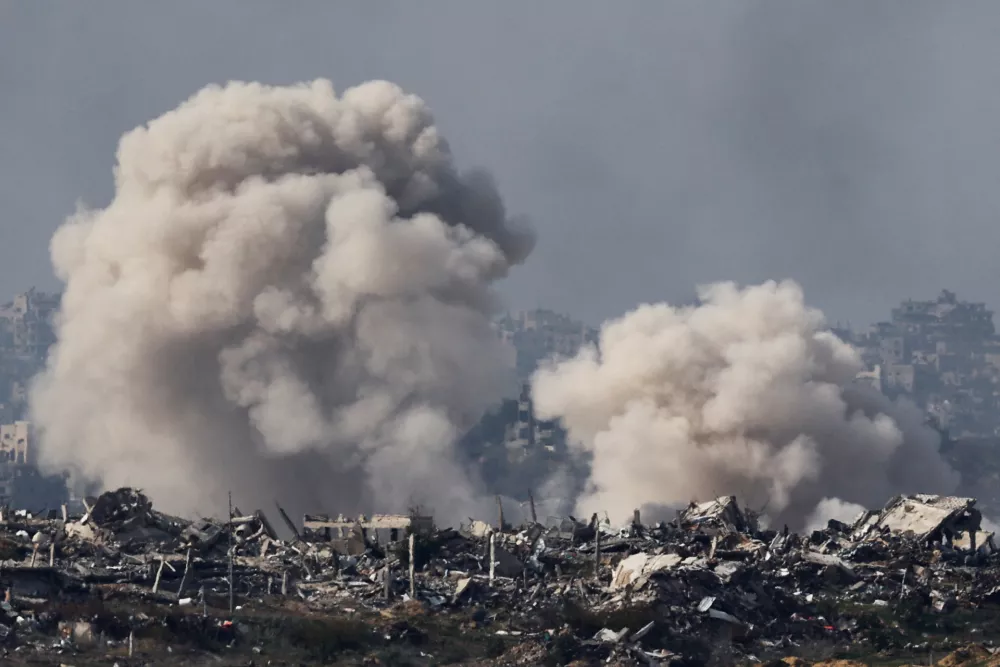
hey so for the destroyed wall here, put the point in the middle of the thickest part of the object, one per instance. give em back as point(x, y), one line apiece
point(16, 442)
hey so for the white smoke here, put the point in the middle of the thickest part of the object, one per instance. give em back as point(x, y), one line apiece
point(744, 394)
point(833, 508)
point(288, 297)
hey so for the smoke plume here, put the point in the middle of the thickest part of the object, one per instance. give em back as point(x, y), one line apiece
point(289, 297)
point(745, 394)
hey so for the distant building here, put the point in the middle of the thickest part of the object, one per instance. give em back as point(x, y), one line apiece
point(14, 440)
point(871, 378)
point(943, 354)
point(901, 377)
point(26, 334)
point(22, 486)
point(27, 323)
point(539, 335)
point(528, 434)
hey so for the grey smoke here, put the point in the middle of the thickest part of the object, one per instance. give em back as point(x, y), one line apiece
point(745, 393)
point(289, 297)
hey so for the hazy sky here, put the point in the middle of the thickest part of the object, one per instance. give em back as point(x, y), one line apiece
point(851, 145)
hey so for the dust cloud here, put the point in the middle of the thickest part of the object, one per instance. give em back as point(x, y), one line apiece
point(288, 297)
point(745, 393)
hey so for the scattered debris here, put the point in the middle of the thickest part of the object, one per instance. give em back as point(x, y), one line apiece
point(638, 594)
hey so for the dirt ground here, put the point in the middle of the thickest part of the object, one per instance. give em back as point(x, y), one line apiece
point(282, 632)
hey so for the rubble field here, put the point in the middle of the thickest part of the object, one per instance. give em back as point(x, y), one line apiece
point(915, 582)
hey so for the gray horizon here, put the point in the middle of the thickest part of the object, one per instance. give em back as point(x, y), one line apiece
point(849, 146)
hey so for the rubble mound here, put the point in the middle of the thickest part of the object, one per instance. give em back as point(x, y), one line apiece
point(116, 507)
point(918, 577)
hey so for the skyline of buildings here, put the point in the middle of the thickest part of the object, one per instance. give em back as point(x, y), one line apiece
point(26, 333)
point(942, 353)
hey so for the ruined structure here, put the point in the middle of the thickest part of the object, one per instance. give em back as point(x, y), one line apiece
point(26, 334)
point(537, 335)
point(350, 536)
point(528, 434)
point(26, 323)
point(680, 592)
point(21, 483)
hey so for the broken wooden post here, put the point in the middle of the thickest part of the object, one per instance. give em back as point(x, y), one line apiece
point(52, 554)
point(597, 552)
point(159, 573)
point(270, 582)
point(284, 582)
point(131, 640)
point(493, 556)
point(288, 522)
point(500, 507)
point(413, 567)
point(34, 554)
point(635, 518)
point(65, 513)
point(531, 504)
point(187, 572)
point(232, 553)
point(387, 590)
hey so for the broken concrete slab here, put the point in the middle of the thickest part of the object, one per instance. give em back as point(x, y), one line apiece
point(638, 567)
point(722, 514)
point(923, 516)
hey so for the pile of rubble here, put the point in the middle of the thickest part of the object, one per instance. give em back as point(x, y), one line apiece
point(681, 591)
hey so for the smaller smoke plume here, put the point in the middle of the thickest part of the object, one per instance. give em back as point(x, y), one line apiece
point(744, 394)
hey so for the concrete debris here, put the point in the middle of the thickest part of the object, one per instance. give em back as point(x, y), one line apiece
point(710, 573)
point(723, 514)
point(636, 569)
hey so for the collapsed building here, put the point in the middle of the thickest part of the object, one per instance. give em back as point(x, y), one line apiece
point(710, 573)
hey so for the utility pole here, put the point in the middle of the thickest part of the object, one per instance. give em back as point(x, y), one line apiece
point(229, 527)
point(493, 557)
point(413, 567)
point(597, 552)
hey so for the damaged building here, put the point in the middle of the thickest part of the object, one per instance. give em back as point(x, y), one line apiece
point(26, 334)
point(22, 485)
point(710, 575)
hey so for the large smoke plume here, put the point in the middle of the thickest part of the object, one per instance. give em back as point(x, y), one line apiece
point(289, 297)
point(745, 394)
